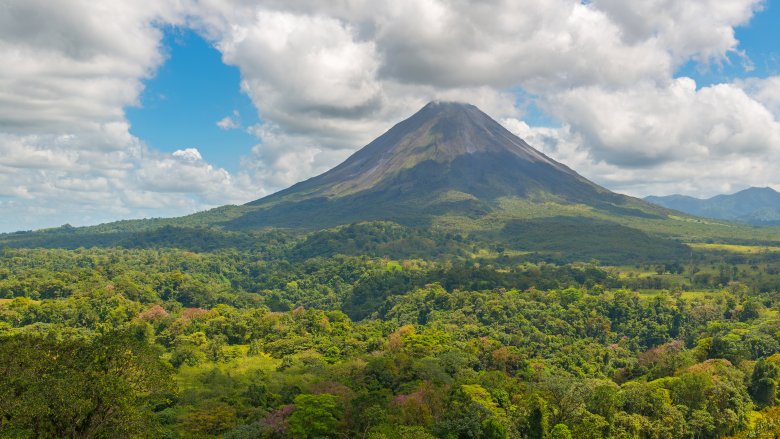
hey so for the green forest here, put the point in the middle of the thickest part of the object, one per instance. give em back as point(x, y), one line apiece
point(375, 331)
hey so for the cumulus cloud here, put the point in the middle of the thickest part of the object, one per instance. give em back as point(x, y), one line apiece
point(184, 171)
point(537, 44)
point(764, 90)
point(720, 153)
point(646, 125)
point(230, 122)
point(66, 151)
point(188, 155)
point(77, 65)
point(702, 29)
point(309, 73)
point(282, 159)
point(327, 77)
point(84, 186)
point(340, 72)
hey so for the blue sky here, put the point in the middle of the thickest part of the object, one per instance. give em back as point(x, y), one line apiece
point(181, 104)
point(120, 109)
point(760, 41)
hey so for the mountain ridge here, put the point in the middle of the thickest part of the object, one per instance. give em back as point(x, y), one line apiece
point(754, 205)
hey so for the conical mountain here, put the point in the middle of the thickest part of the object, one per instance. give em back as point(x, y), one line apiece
point(448, 168)
point(447, 159)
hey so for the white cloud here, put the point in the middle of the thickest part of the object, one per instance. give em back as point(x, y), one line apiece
point(183, 171)
point(327, 77)
point(308, 73)
point(702, 29)
point(647, 125)
point(282, 159)
point(75, 66)
point(650, 140)
point(82, 185)
point(230, 122)
point(764, 90)
point(190, 155)
point(66, 152)
point(537, 44)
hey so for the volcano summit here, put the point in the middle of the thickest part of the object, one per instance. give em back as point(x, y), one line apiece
point(447, 159)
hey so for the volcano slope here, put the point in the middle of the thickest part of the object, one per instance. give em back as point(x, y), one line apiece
point(448, 168)
point(447, 160)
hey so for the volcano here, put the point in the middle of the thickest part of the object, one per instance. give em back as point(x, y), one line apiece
point(448, 169)
point(448, 159)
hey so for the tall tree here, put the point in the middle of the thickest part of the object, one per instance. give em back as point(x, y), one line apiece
point(80, 388)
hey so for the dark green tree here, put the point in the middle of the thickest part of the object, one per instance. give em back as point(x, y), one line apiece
point(106, 387)
point(315, 416)
point(763, 383)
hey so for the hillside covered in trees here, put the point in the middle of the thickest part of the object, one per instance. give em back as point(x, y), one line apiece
point(316, 337)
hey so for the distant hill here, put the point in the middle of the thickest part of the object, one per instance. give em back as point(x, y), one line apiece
point(756, 206)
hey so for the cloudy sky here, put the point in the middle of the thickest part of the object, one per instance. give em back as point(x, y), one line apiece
point(118, 109)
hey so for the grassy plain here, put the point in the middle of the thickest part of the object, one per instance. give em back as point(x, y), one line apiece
point(735, 248)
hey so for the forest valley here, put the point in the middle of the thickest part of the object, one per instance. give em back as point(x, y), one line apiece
point(314, 337)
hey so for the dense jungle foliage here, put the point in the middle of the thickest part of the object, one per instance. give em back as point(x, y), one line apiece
point(398, 334)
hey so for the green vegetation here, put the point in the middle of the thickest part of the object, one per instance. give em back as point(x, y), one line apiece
point(742, 249)
point(541, 230)
point(381, 331)
point(58, 384)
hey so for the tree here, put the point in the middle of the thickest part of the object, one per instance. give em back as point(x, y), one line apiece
point(76, 387)
point(560, 431)
point(537, 419)
point(315, 416)
point(211, 419)
point(763, 382)
point(751, 309)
